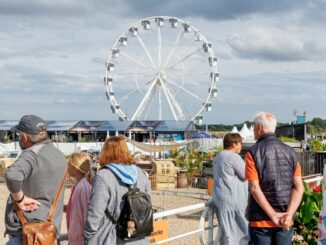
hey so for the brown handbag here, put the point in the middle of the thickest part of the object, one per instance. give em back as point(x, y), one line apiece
point(41, 233)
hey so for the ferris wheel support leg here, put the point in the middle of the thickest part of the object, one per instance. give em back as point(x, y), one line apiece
point(169, 100)
point(160, 105)
point(141, 107)
point(176, 104)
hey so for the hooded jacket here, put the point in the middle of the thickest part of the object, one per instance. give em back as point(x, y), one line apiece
point(106, 202)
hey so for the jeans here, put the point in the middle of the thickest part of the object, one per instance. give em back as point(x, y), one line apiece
point(272, 236)
point(15, 240)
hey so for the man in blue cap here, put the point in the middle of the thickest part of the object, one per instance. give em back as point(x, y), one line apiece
point(33, 178)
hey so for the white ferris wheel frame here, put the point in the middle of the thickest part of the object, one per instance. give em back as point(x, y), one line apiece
point(160, 79)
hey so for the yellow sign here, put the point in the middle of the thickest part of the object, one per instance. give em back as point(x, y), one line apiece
point(160, 231)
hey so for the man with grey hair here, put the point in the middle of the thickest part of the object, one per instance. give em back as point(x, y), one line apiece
point(275, 185)
point(33, 178)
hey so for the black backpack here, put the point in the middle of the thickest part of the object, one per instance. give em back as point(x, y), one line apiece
point(136, 218)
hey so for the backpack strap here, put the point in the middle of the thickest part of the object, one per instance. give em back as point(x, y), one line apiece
point(53, 207)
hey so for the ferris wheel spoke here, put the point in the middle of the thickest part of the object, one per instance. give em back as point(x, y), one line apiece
point(135, 61)
point(135, 74)
point(134, 91)
point(159, 105)
point(174, 47)
point(186, 90)
point(146, 51)
point(195, 73)
point(159, 42)
point(142, 104)
point(184, 58)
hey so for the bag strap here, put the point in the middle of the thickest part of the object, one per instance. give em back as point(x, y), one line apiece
point(56, 198)
point(53, 207)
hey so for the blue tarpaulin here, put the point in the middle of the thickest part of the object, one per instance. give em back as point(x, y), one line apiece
point(201, 135)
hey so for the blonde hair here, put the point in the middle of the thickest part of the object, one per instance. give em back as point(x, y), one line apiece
point(82, 161)
point(267, 120)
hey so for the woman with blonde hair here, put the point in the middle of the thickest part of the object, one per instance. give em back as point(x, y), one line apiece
point(109, 187)
point(79, 167)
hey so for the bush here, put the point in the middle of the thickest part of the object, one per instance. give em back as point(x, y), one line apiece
point(306, 222)
point(287, 139)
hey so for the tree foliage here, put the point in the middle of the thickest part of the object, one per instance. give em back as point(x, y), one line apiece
point(316, 125)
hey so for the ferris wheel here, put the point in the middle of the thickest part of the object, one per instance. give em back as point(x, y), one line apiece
point(161, 68)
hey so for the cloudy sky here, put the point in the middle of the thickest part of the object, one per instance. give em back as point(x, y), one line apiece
point(271, 54)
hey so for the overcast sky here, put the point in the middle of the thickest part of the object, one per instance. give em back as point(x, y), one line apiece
point(271, 55)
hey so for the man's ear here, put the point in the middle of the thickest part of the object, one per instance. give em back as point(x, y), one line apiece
point(24, 139)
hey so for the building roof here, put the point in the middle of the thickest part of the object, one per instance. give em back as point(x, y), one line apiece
point(61, 125)
point(175, 126)
point(114, 126)
point(145, 125)
point(140, 126)
point(88, 125)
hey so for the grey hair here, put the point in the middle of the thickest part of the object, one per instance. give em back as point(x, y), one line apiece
point(37, 138)
point(267, 120)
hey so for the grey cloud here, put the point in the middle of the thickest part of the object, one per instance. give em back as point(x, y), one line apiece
point(70, 9)
point(276, 46)
point(211, 9)
point(39, 81)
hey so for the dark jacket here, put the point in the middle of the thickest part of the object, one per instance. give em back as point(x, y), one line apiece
point(275, 163)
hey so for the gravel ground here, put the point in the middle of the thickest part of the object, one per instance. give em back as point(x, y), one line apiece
point(178, 224)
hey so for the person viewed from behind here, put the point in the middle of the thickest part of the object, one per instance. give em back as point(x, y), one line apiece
point(109, 186)
point(275, 185)
point(230, 193)
point(34, 178)
point(79, 167)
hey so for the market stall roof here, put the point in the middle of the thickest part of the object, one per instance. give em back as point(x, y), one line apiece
point(114, 126)
point(61, 125)
point(175, 126)
point(146, 125)
point(87, 125)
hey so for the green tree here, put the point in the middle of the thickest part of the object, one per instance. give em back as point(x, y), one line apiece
point(317, 145)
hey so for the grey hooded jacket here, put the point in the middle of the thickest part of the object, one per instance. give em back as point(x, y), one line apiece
point(107, 198)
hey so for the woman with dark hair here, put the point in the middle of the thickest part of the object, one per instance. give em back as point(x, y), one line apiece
point(109, 186)
point(230, 193)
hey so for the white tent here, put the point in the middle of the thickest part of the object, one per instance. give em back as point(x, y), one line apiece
point(251, 130)
point(234, 130)
point(244, 132)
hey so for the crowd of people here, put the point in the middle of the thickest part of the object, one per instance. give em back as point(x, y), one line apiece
point(256, 199)
point(264, 214)
point(96, 201)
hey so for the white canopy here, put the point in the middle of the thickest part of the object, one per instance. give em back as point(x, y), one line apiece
point(234, 130)
point(244, 132)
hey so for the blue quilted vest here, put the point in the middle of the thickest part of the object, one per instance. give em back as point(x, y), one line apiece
point(275, 163)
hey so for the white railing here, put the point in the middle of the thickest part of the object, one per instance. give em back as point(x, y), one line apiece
point(209, 212)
